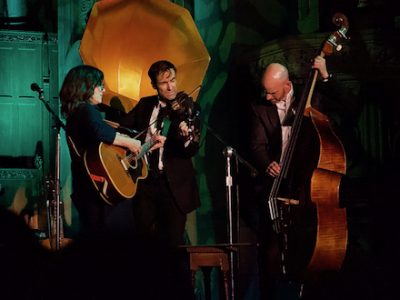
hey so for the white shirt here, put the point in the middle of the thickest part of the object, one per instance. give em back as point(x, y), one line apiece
point(152, 130)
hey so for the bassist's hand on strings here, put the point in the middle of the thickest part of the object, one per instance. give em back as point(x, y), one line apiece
point(273, 169)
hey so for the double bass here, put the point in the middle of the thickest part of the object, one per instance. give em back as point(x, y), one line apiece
point(304, 198)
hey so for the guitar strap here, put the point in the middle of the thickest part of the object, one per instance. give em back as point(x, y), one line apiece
point(73, 147)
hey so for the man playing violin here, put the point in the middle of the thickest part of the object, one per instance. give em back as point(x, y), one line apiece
point(170, 191)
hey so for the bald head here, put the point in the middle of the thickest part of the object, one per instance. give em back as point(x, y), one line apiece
point(276, 83)
point(276, 71)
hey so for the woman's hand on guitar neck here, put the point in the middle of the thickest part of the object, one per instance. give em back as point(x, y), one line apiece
point(158, 141)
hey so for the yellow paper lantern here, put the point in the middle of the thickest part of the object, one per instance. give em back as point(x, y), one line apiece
point(124, 37)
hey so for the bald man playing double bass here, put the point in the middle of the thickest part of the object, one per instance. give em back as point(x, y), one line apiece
point(271, 120)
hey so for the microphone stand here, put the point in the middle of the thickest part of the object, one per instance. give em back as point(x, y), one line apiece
point(57, 126)
point(230, 152)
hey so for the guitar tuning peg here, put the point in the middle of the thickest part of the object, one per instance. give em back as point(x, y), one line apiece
point(339, 47)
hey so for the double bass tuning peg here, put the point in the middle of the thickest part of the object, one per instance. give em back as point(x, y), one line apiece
point(334, 39)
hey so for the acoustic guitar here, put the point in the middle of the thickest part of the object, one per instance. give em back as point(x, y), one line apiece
point(115, 172)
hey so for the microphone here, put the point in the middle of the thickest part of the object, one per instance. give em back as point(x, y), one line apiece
point(36, 88)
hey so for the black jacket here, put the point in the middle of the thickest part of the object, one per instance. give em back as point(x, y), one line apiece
point(329, 98)
point(177, 158)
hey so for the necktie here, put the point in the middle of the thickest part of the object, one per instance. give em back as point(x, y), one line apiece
point(160, 118)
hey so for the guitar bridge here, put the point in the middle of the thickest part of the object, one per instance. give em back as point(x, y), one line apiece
point(124, 165)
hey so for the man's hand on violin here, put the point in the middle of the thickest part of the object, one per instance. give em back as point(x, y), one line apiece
point(190, 133)
point(273, 169)
point(184, 129)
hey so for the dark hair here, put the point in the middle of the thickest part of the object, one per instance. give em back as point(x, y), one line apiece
point(78, 87)
point(157, 68)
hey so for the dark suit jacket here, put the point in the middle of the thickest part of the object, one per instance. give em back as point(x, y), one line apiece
point(266, 136)
point(177, 158)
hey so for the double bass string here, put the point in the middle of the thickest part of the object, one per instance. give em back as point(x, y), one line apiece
point(286, 159)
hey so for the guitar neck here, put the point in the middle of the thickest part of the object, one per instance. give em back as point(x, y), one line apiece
point(145, 148)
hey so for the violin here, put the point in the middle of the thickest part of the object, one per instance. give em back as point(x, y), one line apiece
point(184, 109)
point(182, 105)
